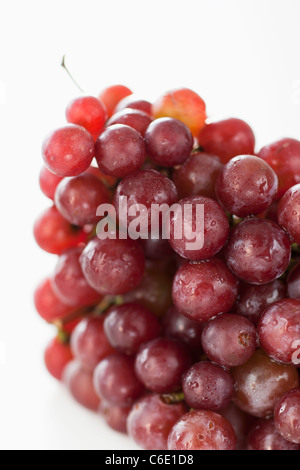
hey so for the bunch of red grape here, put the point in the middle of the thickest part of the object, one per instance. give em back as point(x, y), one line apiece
point(184, 349)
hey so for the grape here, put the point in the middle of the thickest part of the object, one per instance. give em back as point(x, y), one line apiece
point(169, 142)
point(151, 420)
point(115, 380)
point(120, 150)
point(240, 421)
point(88, 112)
point(56, 357)
point(79, 382)
point(108, 181)
point(160, 364)
point(260, 382)
point(156, 248)
point(69, 283)
point(284, 157)
point(289, 212)
point(202, 430)
point(112, 95)
point(89, 343)
point(48, 182)
point(263, 435)
point(207, 386)
point(115, 416)
point(145, 187)
point(254, 299)
point(229, 340)
point(247, 185)
point(279, 331)
point(186, 227)
point(68, 151)
point(133, 102)
point(113, 266)
point(287, 416)
point(54, 234)
point(203, 290)
point(134, 118)
point(130, 325)
point(48, 305)
point(258, 251)
point(182, 104)
point(197, 176)
point(78, 198)
point(187, 331)
point(227, 139)
point(293, 282)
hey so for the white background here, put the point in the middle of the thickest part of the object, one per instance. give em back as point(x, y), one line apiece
point(241, 56)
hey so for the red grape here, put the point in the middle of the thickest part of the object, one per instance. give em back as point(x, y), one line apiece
point(115, 380)
point(258, 251)
point(78, 198)
point(79, 382)
point(229, 340)
point(88, 112)
point(202, 430)
point(198, 236)
point(151, 420)
point(240, 421)
point(287, 416)
point(113, 266)
point(169, 142)
point(227, 139)
point(289, 212)
point(48, 182)
point(160, 364)
point(202, 290)
point(133, 102)
point(198, 175)
point(68, 151)
point(89, 343)
point(247, 185)
point(112, 95)
point(48, 305)
point(284, 157)
point(57, 355)
point(207, 386)
point(279, 331)
point(134, 118)
point(293, 282)
point(115, 416)
point(263, 435)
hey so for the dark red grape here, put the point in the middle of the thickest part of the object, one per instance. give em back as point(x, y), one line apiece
point(240, 421)
point(56, 357)
point(78, 198)
point(202, 430)
point(79, 382)
point(69, 283)
point(284, 157)
point(260, 382)
point(199, 228)
point(115, 380)
point(247, 185)
point(134, 102)
point(227, 139)
point(229, 340)
point(54, 234)
point(169, 142)
point(151, 420)
point(88, 112)
point(279, 331)
point(68, 151)
point(112, 95)
point(179, 327)
point(207, 386)
point(48, 305)
point(115, 416)
point(89, 343)
point(130, 325)
point(113, 266)
point(263, 435)
point(198, 175)
point(48, 182)
point(289, 212)
point(254, 299)
point(205, 289)
point(156, 248)
point(293, 282)
point(258, 251)
point(160, 364)
point(120, 150)
point(287, 416)
point(134, 118)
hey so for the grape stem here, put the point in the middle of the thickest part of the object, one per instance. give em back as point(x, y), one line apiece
point(63, 64)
